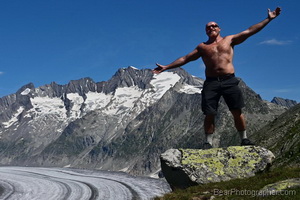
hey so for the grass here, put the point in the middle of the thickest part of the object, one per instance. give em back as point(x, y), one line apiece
point(240, 188)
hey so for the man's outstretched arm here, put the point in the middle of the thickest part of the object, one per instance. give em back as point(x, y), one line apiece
point(194, 55)
point(241, 37)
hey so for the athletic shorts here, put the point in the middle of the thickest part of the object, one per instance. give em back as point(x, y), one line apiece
point(214, 88)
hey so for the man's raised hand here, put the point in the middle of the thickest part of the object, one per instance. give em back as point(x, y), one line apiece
point(274, 14)
point(159, 68)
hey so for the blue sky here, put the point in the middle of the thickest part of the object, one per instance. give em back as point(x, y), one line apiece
point(63, 40)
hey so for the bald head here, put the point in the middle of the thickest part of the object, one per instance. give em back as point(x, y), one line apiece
point(211, 25)
point(212, 29)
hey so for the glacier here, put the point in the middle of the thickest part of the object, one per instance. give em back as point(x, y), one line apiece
point(29, 183)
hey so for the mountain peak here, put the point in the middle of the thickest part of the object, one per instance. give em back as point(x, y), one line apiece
point(131, 76)
point(24, 90)
point(284, 102)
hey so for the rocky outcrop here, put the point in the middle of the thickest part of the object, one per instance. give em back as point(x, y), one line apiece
point(187, 167)
point(284, 102)
point(281, 187)
point(282, 137)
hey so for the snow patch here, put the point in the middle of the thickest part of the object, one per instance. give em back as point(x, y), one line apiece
point(190, 89)
point(14, 118)
point(163, 82)
point(26, 91)
point(134, 67)
point(126, 169)
point(124, 99)
point(96, 100)
point(46, 105)
point(77, 102)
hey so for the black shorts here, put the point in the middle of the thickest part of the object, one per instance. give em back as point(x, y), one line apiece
point(214, 88)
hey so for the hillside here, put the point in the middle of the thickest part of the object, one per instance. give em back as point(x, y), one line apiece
point(282, 137)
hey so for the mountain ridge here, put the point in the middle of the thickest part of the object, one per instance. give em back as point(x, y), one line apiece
point(284, 102)
point(124, 123)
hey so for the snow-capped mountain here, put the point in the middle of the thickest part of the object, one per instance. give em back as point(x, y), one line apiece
point(122, 124)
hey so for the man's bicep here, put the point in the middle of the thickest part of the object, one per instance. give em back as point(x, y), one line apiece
point(240, 37)
point(194, 55)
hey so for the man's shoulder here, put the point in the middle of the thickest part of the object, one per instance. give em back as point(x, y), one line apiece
point(200, 46)
point(229, 37)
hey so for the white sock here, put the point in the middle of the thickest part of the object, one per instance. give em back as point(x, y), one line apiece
point(209, 138)
point(243, 134)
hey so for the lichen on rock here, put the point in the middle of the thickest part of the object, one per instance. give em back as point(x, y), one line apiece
point(215, 165)
point(279, 187)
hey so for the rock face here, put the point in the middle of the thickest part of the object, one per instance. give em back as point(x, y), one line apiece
point(282, 137)
point(187, 167)
point(284, 102)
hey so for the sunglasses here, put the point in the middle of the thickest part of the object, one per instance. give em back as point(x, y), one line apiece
point(213, 26)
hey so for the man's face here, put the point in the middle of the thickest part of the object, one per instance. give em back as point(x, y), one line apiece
point(212, 29)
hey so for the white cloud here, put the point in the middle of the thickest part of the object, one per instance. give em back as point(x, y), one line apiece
point(283, 90)
point(276, 42)
point(1, 73)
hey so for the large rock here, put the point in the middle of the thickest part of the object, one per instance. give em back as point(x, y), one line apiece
point(281, 187)
point(187, 167)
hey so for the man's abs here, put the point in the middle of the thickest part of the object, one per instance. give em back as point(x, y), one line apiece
point(219, 70)
point(217, 58)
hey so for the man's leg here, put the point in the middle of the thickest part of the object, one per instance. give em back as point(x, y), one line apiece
point(239, 119)
point(209, 128)
point(240, 124)
point(210, 99)
point(209, 124)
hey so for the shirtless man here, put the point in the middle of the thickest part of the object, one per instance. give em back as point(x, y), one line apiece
point(217, 55)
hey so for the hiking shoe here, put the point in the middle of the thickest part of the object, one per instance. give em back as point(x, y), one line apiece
point(206, 145)
point(246, 142)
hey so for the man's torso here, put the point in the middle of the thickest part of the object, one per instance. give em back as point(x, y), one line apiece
point(217, 57)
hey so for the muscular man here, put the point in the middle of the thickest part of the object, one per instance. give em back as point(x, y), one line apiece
point(217, 55)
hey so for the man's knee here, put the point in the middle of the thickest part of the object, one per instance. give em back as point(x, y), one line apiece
point(209, 119)
point(236, 112)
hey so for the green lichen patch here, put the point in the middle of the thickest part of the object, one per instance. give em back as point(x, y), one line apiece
point(233, 162)
point(281, 186)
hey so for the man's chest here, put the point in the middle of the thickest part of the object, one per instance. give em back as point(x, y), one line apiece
point(218, 48)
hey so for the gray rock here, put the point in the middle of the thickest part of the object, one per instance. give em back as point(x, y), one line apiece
point(280, 187)
point(284, 102)
point(186, 167)
point(282, 137)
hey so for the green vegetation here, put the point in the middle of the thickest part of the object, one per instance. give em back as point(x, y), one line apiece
point(240, 188)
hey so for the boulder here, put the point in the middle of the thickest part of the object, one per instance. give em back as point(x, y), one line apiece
point(281, 188)
point(187, 167)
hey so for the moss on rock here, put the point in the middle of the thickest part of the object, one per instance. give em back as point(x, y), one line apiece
point(278, 187)
point(219, 164)
point(235, 161)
